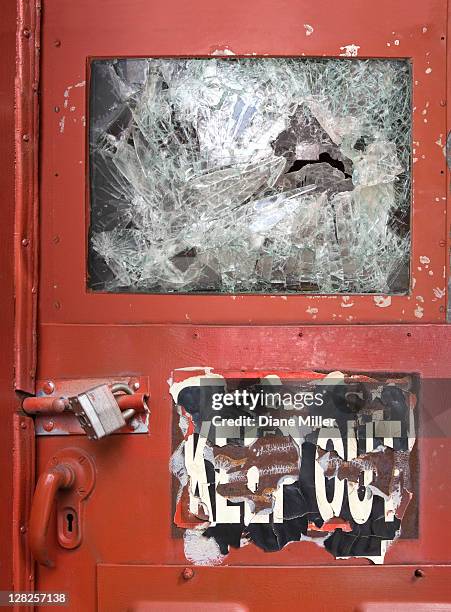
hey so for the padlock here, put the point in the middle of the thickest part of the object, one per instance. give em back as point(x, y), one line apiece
point(98, 412)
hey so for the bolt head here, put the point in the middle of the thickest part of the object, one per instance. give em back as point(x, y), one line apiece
point(48, 387)
point(188, 573)
point(49, 425)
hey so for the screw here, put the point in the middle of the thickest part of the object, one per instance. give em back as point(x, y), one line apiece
point(195, 335)
point(442, 102)
point(25, 242)
point(57, 305)
point(57, 43)
point(56, 109)
point(49, 425)
point(56, 239)
point(23, 425)
point(442, 243)
point(26, 137)
point(134, 384)
point(188, 573)
point(48, 387)
point(26, 32)
point(300, 334)
point(23, 529)
point(418, 573)
point(409, 334)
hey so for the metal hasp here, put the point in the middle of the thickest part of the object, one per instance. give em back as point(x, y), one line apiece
point(100, 410)
point(68, 480)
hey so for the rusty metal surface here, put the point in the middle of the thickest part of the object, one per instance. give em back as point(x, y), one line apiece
point(338, 589)
point(27, 190)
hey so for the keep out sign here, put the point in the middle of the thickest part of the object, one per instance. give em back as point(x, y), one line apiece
point(275, 458)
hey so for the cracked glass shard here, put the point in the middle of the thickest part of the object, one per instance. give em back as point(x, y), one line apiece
point(266, 175)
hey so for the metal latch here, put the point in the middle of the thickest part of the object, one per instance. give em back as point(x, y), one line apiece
point(100, 410)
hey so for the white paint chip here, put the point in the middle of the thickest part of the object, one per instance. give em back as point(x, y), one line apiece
point(418, 312)
point(439, 293)
point(350, 50)
point(382, 301)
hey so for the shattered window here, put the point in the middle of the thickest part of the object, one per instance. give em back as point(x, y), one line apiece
point(253, 175)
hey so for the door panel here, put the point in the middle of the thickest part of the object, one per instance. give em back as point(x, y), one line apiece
point(131, 555)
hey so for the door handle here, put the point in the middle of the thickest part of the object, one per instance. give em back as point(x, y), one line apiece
point(67, 480)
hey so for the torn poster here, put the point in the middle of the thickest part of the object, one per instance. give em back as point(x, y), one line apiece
point(237, 175)
point(271, 459)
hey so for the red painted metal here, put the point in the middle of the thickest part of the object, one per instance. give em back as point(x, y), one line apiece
point(27, 189)
point(131, 556)
point(50, 419)
point(44, 405)
point(60, 476)
point(70, 475)
point(146, 534)
point(128, 587)
point(199, 29)
point(51, 405)
point(13, 565)
point(24, 478)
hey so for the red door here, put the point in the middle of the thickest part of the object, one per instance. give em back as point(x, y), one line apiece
point(243, 215)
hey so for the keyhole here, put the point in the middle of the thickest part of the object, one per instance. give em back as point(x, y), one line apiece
point(70, 521)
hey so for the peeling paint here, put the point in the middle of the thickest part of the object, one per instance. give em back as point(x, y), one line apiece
point(382, 301)
point(419, 311)
point(223, 52)
point(350, 50)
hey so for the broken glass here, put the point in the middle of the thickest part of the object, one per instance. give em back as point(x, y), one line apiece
point(254, 175)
